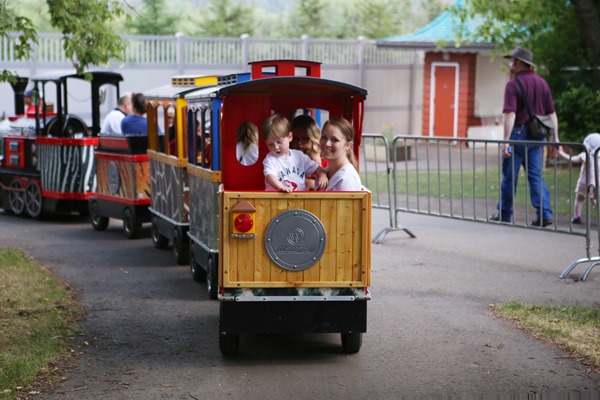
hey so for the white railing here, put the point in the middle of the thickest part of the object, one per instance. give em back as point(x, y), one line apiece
point(180, 51)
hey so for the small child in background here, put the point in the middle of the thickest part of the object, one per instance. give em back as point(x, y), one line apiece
point(587, 178)
point(286, 169)
point(305, 137)
point(246, 149)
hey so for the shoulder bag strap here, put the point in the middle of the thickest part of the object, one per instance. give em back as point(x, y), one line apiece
point(524, 97)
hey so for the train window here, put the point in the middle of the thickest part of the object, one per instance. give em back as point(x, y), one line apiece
point(202, 140)
point(246, 148)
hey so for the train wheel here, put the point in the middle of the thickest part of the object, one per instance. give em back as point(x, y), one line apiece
point(33, 199)
point(159, 241)
point(181, 247)
point(351, 342)
point(229, 344)
point(212, 279)
point(198, 273)
point(16, 197)
point(131, 227)
point(99, 223)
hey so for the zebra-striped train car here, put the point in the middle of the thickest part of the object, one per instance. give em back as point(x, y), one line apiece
point(48, 161)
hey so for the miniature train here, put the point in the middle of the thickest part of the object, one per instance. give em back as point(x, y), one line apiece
point(277, 262)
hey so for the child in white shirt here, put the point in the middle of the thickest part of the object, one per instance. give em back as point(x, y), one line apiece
point(286, 169)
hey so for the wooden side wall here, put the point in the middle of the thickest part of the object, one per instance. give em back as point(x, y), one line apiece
point(346, 262)
point(466, 93)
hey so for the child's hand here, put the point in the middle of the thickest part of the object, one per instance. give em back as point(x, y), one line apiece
point(322, 181)
point(285, 189)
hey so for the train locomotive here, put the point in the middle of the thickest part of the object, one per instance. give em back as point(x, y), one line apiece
point(48, 162)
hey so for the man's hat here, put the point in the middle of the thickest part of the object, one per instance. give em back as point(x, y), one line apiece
point(522, 55)
point(28, 93)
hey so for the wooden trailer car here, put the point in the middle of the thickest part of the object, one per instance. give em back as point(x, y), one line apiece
point(278, 262)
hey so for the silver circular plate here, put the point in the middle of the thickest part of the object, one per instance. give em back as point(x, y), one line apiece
point(295, 240)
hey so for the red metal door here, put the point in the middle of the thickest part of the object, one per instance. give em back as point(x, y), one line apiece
point(444, 101)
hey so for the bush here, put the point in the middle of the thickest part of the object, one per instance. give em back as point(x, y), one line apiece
point(577, 109)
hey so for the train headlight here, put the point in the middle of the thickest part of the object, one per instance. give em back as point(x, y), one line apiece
point(242, 218)
point(243, 223)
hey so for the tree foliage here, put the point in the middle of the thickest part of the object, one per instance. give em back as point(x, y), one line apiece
point(87, 33)
point(25, 33)
point(565, 39)
point(154, 19)
point(308, 19)
point(380, 18)
point(226, 18)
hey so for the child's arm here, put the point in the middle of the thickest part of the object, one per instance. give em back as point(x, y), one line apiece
point(273, 181)
point(322, 181)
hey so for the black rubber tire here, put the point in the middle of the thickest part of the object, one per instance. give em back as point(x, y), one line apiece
point(131, 227)
point(229, 344)
point(212, 279)
point(351, 342)
point(198, 273)
point(34, 203)
point(16, 197)
point(181, 247)
point(99, 223)
point(158, 240)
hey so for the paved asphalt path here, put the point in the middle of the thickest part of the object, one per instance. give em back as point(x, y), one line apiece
point(151, 331)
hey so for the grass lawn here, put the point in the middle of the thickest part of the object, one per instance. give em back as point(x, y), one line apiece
point(480, 184)
point(38, 316)
point(573, 328)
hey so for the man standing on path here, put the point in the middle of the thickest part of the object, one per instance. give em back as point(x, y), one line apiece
point(531, 157)
point(112, 122)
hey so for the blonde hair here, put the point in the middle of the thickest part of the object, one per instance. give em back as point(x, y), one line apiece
point(276, 125)
point(308, 125)
point(347, 130)
point(247, 134)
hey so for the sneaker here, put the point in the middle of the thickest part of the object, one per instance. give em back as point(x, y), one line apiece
point(544, 223)
point(496, 218)
point(576, 220)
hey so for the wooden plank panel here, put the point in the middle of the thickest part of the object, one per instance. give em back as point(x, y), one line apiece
point(357, 233)
point(344, 241)
point(329, 259)
point(278, 206)
point(261, 259)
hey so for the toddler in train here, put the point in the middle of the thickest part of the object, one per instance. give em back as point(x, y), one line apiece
point(286, 169)
point(305, 137)
point(586, 183)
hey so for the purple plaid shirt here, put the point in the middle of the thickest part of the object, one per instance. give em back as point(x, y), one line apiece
point(538, 96)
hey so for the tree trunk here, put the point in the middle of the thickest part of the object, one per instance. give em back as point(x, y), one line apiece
point(589, 20)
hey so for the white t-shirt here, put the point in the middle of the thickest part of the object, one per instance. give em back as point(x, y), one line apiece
point(112, 123)
point(346, 179)
point(248, 156)
point(290, 170)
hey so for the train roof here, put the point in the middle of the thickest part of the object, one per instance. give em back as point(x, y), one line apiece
point(280, 85)
point(100, 77)
point(169, 92)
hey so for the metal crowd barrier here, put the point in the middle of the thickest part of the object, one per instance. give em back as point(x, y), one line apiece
point(461, 179)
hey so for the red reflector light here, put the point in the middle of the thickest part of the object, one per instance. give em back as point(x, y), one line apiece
point(243, 222)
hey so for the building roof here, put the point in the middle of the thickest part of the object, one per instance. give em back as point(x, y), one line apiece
point(441, 31)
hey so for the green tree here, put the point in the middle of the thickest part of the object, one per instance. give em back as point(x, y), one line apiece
point(308, 19)
point(565, 38)
point(88, 38)
point(154, 19)
point(381, 18)
point(25, 33)
point(226, 18)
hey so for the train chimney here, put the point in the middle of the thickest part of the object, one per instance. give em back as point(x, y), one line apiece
point(19, 90)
